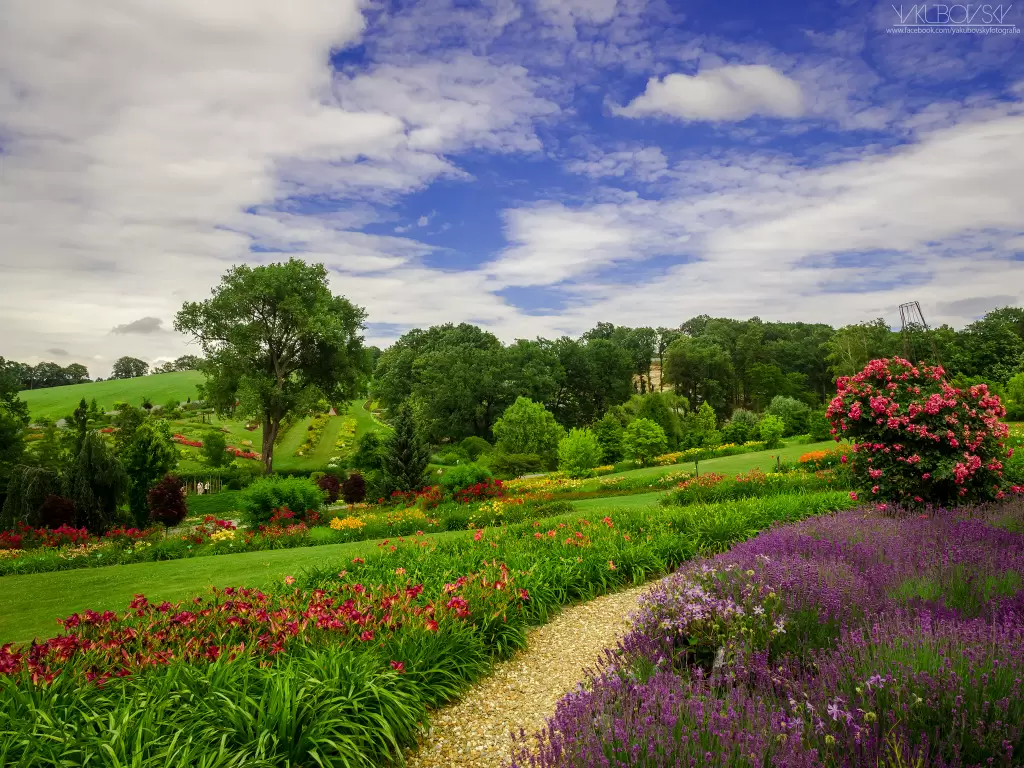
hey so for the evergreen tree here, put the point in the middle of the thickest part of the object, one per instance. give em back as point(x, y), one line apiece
point(405, 456)
point(98, 484)
point(80, 418)
point(149, 457)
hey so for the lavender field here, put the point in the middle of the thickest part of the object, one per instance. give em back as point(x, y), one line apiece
point(863, 638)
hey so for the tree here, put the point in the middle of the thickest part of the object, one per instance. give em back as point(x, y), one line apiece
point(98, 484)
point(772, 430)
point(706, 425)
point(14, 417)
point(129, 368)
point(215, 449)
point(644, 440)
point(741, 426)
point(80, 418)
point(128, 420)
point(655, 406)
point(150, 455)
point(353, 490)
point(166, 501)
point(369, 452)
point(405, 456)
point(76, 373)
point(276, 340)
point(699, 369)
point(609, 433)
point(852, 346)
point(26, 492)
point(793, 413)
point(528, 427)
point(579, 452)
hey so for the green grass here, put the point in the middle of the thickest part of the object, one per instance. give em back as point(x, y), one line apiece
point(727, 465)
point(364, 419)
point(30, 604)
point(223, 505)
point(57, 402)
point(619, 502)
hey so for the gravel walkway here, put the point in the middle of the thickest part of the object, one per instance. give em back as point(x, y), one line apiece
point(473, 732)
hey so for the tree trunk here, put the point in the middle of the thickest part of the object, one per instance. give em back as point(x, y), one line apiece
point(270, 427)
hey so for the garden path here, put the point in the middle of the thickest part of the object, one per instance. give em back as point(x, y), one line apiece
point(473, 732)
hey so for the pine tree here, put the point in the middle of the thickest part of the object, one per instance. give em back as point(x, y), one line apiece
point(98, 484)
point(405, 455)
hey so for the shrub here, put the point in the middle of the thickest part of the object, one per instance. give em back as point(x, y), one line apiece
point(475, 447)
point(57, 511)
point(463, 476)
point(579, 453)
point(644, 440)
point(452, 457)
point(772, 429)
point(367, 455)
point(167, 501)
point(514, 464)
point(794, 414)
point(353, 490)
point(609, 432)
point(214, 449)
point(331, 487)
point(818, 426)
point(918, 440)
point(148, 457)
point(270, 493)
point(741, 427)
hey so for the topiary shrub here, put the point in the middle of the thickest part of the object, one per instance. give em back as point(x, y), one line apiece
point(56, 511)
point(916, 439)
point(166, 501)
point(331, 487)
point(270, 493)
point(353, 490)
point(463, 476)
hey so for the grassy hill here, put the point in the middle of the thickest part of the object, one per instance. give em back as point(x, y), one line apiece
point(57, 402)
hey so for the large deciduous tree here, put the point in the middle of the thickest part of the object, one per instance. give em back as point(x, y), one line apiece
point(277, 340)
point(129, 368)
point(13, 420)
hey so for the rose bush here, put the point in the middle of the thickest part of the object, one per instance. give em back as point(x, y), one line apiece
point(916, 439)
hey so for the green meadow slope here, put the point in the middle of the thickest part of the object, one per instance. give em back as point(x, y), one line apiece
point(57, 402)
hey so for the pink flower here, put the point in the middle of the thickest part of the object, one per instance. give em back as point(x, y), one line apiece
point(398, 666)
point(289, 580)
point(853, 495)
point(478, 535)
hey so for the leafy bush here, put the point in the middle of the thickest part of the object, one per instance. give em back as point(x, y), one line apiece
point(463, 476)
point(367, 455)
point(214, 449)
point(644, 440)
point(148, 457)
point(475, 447)
point(918, 440)
point(609, 432)
point(509, 465)
point(528, 427)
point(452, 457)
point(818, 426)
point(331, 487)
point(794, 414)
point(57, 511)
point(772, 429)
point(270, 493)
point(579, 452)
point(167, 501)
point(353, 490)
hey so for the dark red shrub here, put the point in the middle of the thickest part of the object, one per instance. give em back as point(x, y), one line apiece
point(354, 489)
point(331, 486)
point(167, 501)
point(57, 511)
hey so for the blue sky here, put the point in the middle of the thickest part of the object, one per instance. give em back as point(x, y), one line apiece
point(532, 166)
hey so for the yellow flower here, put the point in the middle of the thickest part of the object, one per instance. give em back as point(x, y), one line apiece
point(222, 535)
point(346, 524)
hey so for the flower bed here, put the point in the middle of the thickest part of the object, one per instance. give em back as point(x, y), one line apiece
point(314, 432)
point(855, 639)
point(714, 486)
point(345, 445)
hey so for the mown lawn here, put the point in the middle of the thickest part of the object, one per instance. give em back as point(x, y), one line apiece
point(618, 502)
point(57, 402)
point(744, 462)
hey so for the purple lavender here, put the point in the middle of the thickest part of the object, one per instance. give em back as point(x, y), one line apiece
point(854, 639)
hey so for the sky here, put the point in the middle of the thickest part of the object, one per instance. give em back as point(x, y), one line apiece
point(534, 166)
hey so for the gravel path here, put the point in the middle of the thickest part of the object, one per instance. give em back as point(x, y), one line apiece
point(522, 692)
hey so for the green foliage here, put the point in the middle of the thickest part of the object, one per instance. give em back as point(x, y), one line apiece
point(166, 500)
point(644, 440)
point(405, 456)
point(528, 427)
point(150, 455)
point(98, 484)
point(463, 476)
point(127, 421)
point(353, 490)
point(299, 494)
point(276, 340)
point(700, 369)
point(771, 430)
point(655, 406)
point(26, 492)
point(129, 368)
point(853, 346)
point(794, 414)
point(512, 465)
point(369, 452)
point(579, 452)
point(475, 447)
point(609, 432)
point(13, 420)
point(741, 427)
point(818, 426)
point(215, 449)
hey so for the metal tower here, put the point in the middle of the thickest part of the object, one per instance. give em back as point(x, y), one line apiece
point(916, 333)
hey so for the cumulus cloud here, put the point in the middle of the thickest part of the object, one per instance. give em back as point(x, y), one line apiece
point(142, 325)
point(727, 93)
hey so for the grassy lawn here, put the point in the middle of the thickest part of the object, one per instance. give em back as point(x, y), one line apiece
point(223, 505)
point(364, 419)
point(57, 402)
point(618, 502)
point(30, 604)
point(744, 462)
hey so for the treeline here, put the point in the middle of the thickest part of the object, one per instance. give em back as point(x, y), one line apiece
point(47, 374)
point(459, 379)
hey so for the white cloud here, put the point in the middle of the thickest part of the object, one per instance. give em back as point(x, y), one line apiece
point(729, 93)
point(640, 163)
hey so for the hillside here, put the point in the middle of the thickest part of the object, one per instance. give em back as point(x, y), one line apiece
point(57, 402)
